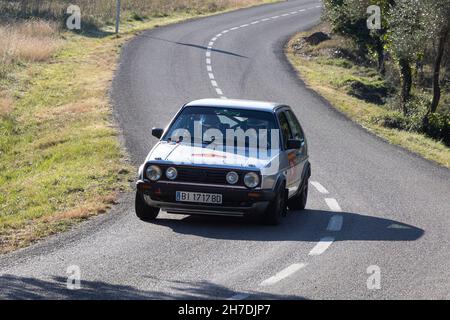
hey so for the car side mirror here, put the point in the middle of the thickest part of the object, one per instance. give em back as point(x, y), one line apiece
point(294, 144)
point(157, 132)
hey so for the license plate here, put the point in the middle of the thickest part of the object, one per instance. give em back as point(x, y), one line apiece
point(199, 197)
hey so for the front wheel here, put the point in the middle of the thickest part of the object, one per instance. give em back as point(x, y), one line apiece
point(143, 210)
point(298, 202)
point(277, 209)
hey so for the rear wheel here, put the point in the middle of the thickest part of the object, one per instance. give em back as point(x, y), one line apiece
point(143, 210)
point(277, 209)
point(298, 202)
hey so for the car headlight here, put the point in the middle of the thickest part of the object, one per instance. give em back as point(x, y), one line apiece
point(251, 179)
point(171, 173)
point(232, 177)
point(153, 173)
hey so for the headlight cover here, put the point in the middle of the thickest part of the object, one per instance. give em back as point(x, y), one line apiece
point(153, 173)
point(171, 173)
point(251, 179)
point(232, 177)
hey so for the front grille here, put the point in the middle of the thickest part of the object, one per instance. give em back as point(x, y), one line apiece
point(203, 176)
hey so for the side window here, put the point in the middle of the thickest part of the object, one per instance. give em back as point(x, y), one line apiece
point(297, 131)
point(285, 129)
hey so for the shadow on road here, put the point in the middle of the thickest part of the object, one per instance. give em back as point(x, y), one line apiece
point(16, 287)
point(196, 46)
point(307, 225)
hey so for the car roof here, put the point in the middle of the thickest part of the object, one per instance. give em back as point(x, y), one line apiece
point(236, 104)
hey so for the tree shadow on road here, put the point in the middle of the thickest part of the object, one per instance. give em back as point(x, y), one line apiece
point(21, 288)
point(195, 46)
point(307, 225)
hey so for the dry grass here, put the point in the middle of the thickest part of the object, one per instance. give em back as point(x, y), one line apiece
point(29, 41)
point(58, 117)
point(6, 104)
point(101, 12)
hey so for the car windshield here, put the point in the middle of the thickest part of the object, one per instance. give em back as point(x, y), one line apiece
point(226, 127)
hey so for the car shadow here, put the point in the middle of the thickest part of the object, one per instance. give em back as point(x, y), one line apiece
point(307, 225)
point(29, 288)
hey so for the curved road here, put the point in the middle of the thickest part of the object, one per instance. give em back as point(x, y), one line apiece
point(374, 209)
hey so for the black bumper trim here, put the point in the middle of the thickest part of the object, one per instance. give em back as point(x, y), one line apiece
point(236, 202)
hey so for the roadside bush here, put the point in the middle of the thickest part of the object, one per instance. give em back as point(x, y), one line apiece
point(393, 120)
point(371, 92)
point(439, 127)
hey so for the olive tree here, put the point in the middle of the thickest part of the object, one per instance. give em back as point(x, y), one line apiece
point(437, 16)
point(406, 41)
point(349, 18)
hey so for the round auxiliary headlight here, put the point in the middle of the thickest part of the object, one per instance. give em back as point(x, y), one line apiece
point(171, 173)
point(232, 177)
point(251, 179)
point(153, 173)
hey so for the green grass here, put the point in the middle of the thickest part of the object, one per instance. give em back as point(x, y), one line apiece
point(60, 156)
point(330, 77)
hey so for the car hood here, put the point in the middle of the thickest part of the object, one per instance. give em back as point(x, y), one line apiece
point(196, 155)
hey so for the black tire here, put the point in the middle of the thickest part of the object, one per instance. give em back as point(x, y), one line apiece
point(298, 202)
point(143, 210)
point(278, 207)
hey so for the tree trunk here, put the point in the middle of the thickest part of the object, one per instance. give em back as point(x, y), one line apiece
point(381, 58)
point(405, 70)
point(437, 68)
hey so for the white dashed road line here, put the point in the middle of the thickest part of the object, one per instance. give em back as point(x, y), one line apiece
point(335, 223)
point(321, 246)
point(283, 274)
point(214, 39)
point(333, 204)
point(319, 187)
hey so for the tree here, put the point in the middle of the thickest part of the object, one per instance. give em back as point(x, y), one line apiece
point(406, 40)
point(349, 18)
point(437, 14)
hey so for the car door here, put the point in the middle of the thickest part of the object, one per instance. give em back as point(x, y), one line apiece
point(289, 158)
point(301, 155)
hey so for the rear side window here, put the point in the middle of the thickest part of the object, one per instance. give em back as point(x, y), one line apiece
point(297, 132)
point(285, 128)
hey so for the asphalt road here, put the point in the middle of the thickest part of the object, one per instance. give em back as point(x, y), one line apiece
point(373, 206)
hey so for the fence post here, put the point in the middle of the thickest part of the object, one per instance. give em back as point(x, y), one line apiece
point(117, 16)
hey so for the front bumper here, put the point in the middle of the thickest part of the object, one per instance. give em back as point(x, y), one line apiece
point(238, 202)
